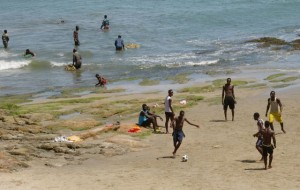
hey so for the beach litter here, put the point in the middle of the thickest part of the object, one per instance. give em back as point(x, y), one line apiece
point(183, 102)
point(61, 139)
point(67, 139)
point(134, 129)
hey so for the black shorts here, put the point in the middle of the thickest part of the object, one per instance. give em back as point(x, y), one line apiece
point(229, 101)
point(146, 123)
point(119, 48)
point(77, 65)
point(169, 115)
point(267, 149)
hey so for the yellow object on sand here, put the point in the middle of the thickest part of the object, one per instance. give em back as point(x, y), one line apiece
point(74, 138)
point(132, 46)
point(70, 68)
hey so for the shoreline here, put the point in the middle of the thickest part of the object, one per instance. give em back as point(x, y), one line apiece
point(221, 154)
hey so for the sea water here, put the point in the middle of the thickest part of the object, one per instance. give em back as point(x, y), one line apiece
point(191, 37)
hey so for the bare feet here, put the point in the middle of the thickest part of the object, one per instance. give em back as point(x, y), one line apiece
point(283, 130)
point(174, 154)
point(270, 167)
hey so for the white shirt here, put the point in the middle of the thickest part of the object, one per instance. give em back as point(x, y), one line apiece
point(167, 105)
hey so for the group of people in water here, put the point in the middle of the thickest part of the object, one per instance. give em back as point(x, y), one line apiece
point(77, 59)
point(265, 134)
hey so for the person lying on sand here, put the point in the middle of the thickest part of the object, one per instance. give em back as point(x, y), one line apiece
point(178, 134)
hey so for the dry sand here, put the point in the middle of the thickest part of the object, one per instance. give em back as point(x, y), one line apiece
point(222, 155)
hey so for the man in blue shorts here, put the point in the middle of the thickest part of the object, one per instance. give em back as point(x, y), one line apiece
point(178, 134)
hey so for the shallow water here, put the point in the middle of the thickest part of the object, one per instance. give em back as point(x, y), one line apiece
point(176, 37)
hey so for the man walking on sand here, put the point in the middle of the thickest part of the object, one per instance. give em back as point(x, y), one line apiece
point(275, 113)
point(178, 134)
point(229, 100)
point(169, 109)
point(268, 135)
point(260, 126)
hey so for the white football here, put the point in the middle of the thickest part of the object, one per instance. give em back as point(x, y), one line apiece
point(185, 158)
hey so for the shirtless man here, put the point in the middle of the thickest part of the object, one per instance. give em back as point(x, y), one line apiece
point(229, 100)
point(275, 113)
point(260, 126)
point(178, 134)
point(268, 135)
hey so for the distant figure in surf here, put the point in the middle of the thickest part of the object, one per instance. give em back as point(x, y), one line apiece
point(76, 36)
point(5, 39)
point(28, 52)
point(105, 23)
point(229, 100)
point(101, 81)
point(119, 43)
point(76, 59)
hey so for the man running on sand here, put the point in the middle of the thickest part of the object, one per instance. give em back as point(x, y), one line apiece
point(178, 134)
point(260, 127)
point(268, 135)
point(169, 109)
point(229, 100)
point(275, 113)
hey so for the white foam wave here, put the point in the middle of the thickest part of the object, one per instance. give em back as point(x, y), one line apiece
point(4, 65)
point(190, 63)
point(59, 64)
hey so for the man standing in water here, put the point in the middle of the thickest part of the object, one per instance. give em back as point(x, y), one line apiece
point(76, 36)
point(178, 134)
point(76, 59)
point(105, 23)
point(229, 100)
point(5, 39)
point(169, 109)
point(119, 43)
point(268, 135)
point(275, 113)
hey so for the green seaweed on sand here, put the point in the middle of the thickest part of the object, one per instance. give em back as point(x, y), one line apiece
point(274, 76)
point(198, 89)
point(287, 79)
point(180, 78)
point(148, 82)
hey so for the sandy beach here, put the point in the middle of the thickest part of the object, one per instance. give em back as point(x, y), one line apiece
point(222, 155)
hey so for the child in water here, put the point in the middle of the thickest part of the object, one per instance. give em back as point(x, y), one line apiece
point(101, 81)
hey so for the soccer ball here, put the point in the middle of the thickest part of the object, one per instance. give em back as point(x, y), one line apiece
point(185, 158)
